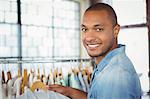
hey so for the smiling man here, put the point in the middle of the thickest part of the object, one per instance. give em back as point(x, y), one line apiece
point(114, 76)
point(99, 33)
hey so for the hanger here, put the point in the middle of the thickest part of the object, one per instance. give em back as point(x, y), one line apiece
point(38, 85)
point(25, 80)
point(9, 76)
point(51, 78)
point(19, 73)
point(60, 73)
point(30, 77)
point(38, 76)
point(3, 77)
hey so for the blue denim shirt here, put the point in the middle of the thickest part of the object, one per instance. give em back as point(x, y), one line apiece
point(115, 78)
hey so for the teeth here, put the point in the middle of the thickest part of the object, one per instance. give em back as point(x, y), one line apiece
point(93, 46)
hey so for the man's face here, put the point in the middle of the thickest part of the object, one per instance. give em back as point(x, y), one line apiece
point(99, 36)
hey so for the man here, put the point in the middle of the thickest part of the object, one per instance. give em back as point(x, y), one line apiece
point(114, 76)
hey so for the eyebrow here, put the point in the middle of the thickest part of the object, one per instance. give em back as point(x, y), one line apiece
point(96, 25)
point(82, 25)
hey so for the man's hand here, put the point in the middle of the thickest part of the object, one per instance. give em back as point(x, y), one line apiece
point(68, 91)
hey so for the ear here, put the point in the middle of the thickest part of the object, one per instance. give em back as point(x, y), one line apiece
point(116, 30)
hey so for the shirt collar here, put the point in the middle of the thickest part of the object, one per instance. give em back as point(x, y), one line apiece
point(109, 56)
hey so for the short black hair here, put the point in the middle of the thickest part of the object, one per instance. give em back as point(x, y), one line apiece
point(106, 7)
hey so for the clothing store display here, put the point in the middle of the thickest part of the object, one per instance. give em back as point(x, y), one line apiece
point(30, 85)
point(13, 87)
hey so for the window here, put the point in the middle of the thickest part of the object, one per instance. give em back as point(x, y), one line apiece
point(48, 26)
point(49, 29)
point(8, 28)
point(8, 33)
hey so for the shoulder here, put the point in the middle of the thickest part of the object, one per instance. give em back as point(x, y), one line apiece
point(117, 75)
point(118, 82)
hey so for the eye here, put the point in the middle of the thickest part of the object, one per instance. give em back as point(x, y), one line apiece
point(83, 29)
point(99, 29)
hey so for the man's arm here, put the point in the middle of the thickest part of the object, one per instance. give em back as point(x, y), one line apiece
point(68, 91)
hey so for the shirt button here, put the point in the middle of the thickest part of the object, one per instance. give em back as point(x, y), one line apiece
point(90, 96)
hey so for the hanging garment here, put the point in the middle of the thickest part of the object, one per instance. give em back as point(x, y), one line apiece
point(2, 95)
point(57, 80)
point(85, 78)
point(4, 91)
point(62, 81)
point(17, 86)
point(41, 95)
point(10, 89)
point(82, 81)
point(44, 80)
point(50, 79)
point(73, 82)
point(31, 76)
point(78, 81)
point(1, 87)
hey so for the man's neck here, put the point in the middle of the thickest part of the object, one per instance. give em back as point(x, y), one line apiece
point(99, 58)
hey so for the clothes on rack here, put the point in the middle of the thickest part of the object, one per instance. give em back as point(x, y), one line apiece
point(19, 86)
point(73, 82)
point(41, 95)
point(29, 94)
point(50, 78)
point(13, 90)
point(1, 89)
point(80, 76)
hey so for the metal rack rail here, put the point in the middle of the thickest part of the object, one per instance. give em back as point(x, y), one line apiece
point(16, 60)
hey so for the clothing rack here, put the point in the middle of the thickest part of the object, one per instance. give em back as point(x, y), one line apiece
point(16, 60)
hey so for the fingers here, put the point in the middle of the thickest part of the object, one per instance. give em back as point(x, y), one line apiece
point(55, 85)
point(68, 91)
point(52, 88)
point(56, 88)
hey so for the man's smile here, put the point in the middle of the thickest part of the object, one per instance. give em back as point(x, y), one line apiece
point(92, 46)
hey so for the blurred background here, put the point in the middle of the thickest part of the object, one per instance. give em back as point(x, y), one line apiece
point(45, 34)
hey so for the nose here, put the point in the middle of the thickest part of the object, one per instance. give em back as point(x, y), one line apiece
point(89, 37)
